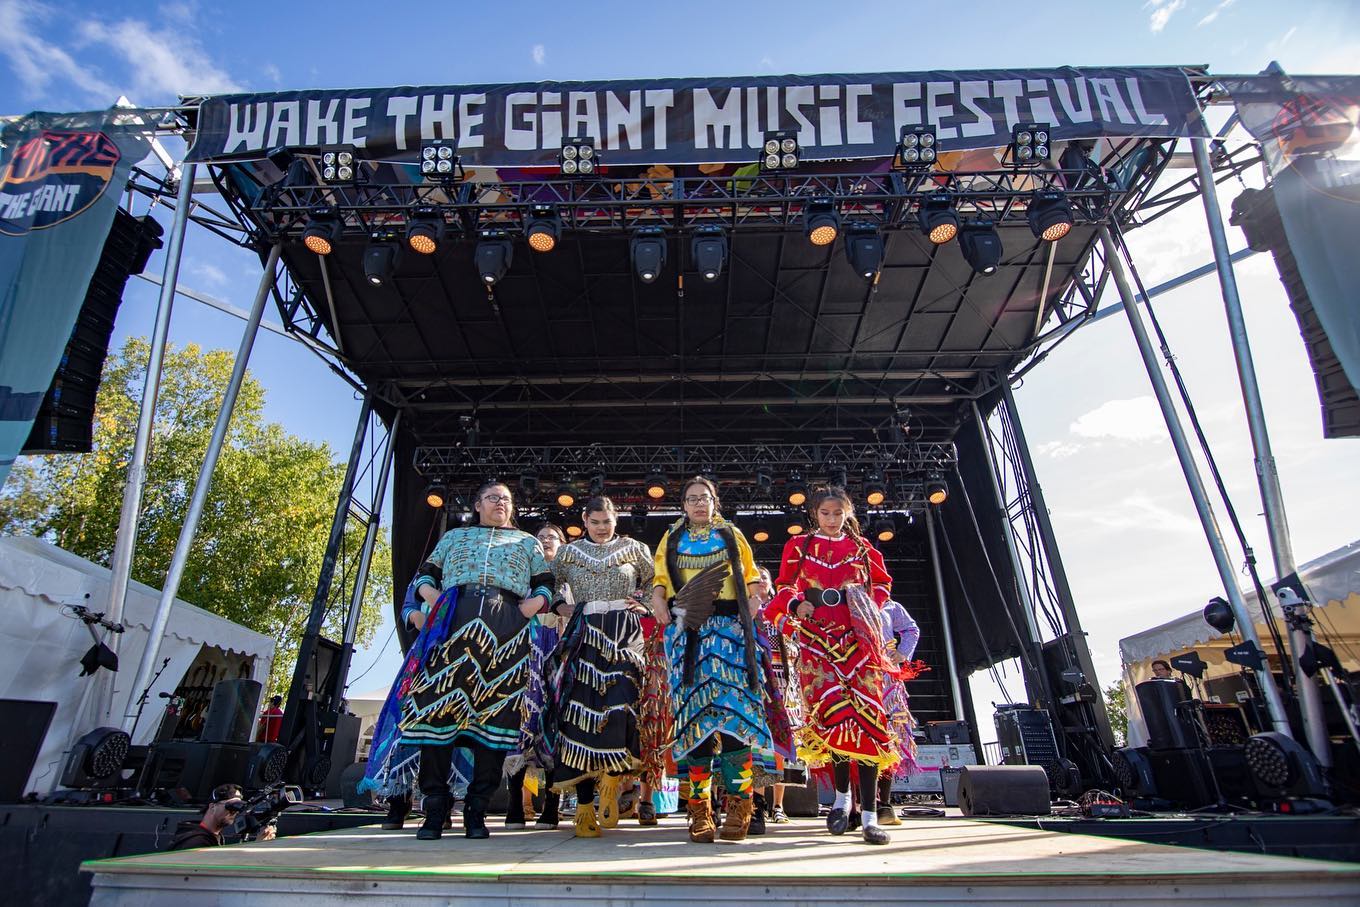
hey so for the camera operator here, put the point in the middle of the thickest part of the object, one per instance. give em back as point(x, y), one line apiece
point(220, 814)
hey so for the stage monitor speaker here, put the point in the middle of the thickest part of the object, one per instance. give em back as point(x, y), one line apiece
point(950, 775)
point(1184, 776)
point(947, 732)
point(1026, 737)
point(1003, 790)
point(1167, 728)
point(197, 767)
point(344, 750)
point(25, 722)
point(231, 713)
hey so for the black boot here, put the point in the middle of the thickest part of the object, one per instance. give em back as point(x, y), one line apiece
point(837, 821)
point(398, 808)
point(486, 777)
point(474, 824)
point(875, 835)
point(549, 817)
point(514, 810)
point(757, 826)
point(436, 811)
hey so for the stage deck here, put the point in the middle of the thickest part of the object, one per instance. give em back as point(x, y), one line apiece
point(929, 861)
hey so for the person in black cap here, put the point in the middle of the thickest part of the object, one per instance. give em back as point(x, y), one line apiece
point(226, 804)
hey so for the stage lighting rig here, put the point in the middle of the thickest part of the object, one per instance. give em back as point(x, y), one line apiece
point(836, 475)
point(436, 493)
point(916, 149)
point(1049, 215)
point(656, 485)
point(708, 247)
point(760, 530)
point(875, 489)
point(1219, 615)
point(322, 231)
point(566, 493)
point(543, 228)
point(528, 482)
point(648, 251)
point(781, 151)
point(938, 219)
point(424, 230)
point(1029, 145)
point(339, 164)
point(981, 247)
point(1284, 770)
point(764, 480)
point(439, 161)
point(864, 249)
point(380, 260)
point(796, 523)
point(884, 529)
point(937, 490)
point(578, 158)
point(639, 519)
point(96, 757)
point(795, 490)
point(494, 254)
point(574, 530)
point(597, 480)
point(821, 221)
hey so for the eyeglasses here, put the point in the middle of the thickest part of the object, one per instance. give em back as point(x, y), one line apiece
point(699, 499)
point(497, 498)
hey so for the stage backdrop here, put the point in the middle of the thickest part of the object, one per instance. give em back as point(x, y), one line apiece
point(695, 121)
point(60, 180)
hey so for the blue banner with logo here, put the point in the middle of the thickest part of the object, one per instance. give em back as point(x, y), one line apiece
point(61, 176)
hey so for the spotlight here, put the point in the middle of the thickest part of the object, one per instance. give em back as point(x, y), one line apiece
point(875, 489)
point(1219, 615)
point(821, 221)
point(1049, 216)
point(566, 495)
point(781, 151)
point(436, 493)
point(439, 161)
point(864, 249)
point(528, 482)
point(916, 148)
point(578, 158)
point(764, 480)
point(380, 260)
point(796, 524)
point(884, 529)
point(709, 250)
point(795, 491)
point(1283, 769)
point(981, 247)
point(760, 531)
point(639, 519)
point(937, 218)
point(322, 231)
point(937, 491)
point(96, 756)
point(267, 763)
point(836, 475)
point(339, 164)
point(424, 230)
point(597, 479)
point(543, 228)
point(574, 530)
point(494, 254)
point(1029, 145)
point(656, 485)
point(648, 250)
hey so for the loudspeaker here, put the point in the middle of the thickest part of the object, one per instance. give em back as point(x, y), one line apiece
point(950, 776)
point(1185, 777)
point(1026, 737)
point(801, 799)
point(197, 767)
point(25, 723)
point(1167, 728)
point(349, 787)
point(947, 732)
point(344, 750)
point(231, 713)
point(1003, 790)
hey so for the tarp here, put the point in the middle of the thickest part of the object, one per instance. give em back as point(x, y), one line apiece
point(1333, 581)
point(709, 120)
point(43, 644)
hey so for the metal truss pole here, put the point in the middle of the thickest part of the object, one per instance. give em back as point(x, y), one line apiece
point(1267, 476)
point(1063, 591)
point(120, 570)
point(141, 686)
point(356, 601)
point(1212, 534)
point(955, 692)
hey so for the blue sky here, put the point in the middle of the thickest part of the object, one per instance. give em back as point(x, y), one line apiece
point(1132, 546)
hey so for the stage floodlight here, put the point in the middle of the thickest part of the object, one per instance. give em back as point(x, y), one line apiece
point(578, 158)
point(267, 764)
point(566, 493)
point(708, 247)
point(96, 757)
point(837, 476)
point(864, 249)
point(494, 254)
point(938, 219)
point(528, 482)
point(339, 164)
point(380, 261)
point(648, 251)
point(439, 161)
point(639, 519)
point(884, 529)
point(795, 491)
point(1029, 145)
point(780, 151)
point(543, 228)
point(574, 530)
point(796, 523)
point(436, 493)
point(597, 480)
point(424, 230)
point(1049, 215)
point(875, 489)
point(916, 148)
point(821, 221)
point(937, 490)
point(1282, 768)
point(322, 231)
point(1219, 615)
point(760, 531)
point(764, 480)
point(981, 247)
point(656, 485)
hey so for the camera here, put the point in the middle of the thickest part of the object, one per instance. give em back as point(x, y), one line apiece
point(260, 810)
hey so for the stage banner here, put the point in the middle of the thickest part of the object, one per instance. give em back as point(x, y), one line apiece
point(1309, 130)
point(60, 179)
point(697, 121)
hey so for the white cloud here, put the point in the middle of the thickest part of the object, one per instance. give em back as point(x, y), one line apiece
point(1213, 14)
point(1059, 450)
point(1138, 419)
point(1162, 11)
point(540, 54)
point(209, 272)
point(161, 61)
point(38, 63)
point(1140, 511)
point(272, 73)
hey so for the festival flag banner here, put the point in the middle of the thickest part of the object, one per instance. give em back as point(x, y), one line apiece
point(697, 121)
point(60, 180)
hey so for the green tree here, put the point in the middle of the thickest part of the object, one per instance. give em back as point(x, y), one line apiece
point(1116, 707)
point(258, 550)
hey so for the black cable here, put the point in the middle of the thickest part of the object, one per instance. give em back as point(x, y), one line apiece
point(1249, 556)
point(968, 601)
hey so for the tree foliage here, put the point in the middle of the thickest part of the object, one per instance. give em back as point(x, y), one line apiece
point(1116, 707)
point(258, 550)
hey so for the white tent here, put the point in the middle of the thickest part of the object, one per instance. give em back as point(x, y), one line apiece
point(1333, 581)
point(41, 643)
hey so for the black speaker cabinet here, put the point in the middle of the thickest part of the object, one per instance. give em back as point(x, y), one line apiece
point(344, 750)
point(197, 767)
point(1185, 777)
point(25, 723)
point(1003, 790)
point(1026, 737)
point(1167, 729)
point(231, 713)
